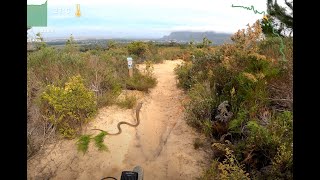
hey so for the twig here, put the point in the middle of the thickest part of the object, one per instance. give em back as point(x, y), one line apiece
point(281, 110)
point(31, 131)
point(47, 138)
point(290, 100)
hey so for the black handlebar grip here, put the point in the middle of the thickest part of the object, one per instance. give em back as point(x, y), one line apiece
point(129, 175)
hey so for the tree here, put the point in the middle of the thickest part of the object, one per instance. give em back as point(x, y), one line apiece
point(206, 42)
point(138, 48)
point(70, 41)
point(267, 27)
point(40, 42)
point(71, 45)
point(280, 18)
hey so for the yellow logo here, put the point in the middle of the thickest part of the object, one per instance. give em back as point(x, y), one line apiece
point(78, 13)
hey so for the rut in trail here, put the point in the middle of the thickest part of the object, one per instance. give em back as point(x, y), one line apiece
point(162, 143)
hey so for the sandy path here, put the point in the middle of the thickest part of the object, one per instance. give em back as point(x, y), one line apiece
point(162, 144)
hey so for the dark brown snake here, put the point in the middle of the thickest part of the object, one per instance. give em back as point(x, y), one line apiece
point(123, 122)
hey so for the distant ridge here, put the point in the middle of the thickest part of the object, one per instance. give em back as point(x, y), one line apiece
point(187, 36)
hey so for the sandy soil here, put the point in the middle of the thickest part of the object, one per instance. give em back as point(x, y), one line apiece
point(162, 144)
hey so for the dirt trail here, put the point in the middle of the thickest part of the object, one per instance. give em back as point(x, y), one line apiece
point(162, 144)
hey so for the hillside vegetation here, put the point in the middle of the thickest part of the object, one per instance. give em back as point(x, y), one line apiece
point(66, 87)
point(240, 97)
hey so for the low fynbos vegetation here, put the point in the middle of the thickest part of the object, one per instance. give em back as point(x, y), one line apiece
point(139, 49)
point(128, 102)
point(98, 140)
point(228, 169)
point(68, 108)
point(67, 85)
point(84, 141)
point(197, 143)
point(140, 82)
point(241, 98)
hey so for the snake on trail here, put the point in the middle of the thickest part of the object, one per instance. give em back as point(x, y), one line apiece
point(123, 122)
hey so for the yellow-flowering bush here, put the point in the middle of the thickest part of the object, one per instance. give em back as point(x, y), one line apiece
point(230, 168)
point(70, 107)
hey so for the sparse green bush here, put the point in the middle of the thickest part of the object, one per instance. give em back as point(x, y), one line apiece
point(205, 43)
point(172, 53)
point(149, 68)
point(197, 143)
point(184, 75)
point(153, 54)
point(128, 102)
point(83, 143)
point(107, 99)
point(212, 173)
point(140, 82)
point(200, 107)
point(230, 168)
point(99, 141)
point(40, 44)
point(70, 107)
point(71, 45)
point(237, 124)
point(282, 163)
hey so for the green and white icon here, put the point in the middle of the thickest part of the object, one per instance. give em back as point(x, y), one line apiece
point(37, 15)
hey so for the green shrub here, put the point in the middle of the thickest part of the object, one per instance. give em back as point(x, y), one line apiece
point(230, 168)
point(128, 102)
point(265, 140)
point(282, 164)
point(83, 143)
point(184, 75)
point(260, 136)
point(200, 108)
point(212, 173)
point(278, 130)
point(138, 48)
point(107, 99)
point(271, 47)
point(70, 107)
point(153, 54)
point(197, 143)
point(140, 82)
point(99, 141)
point(237, 124)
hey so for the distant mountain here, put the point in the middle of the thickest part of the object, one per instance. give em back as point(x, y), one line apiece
point(187, 36)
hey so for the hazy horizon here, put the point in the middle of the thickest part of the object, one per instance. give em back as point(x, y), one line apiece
point(143, 19)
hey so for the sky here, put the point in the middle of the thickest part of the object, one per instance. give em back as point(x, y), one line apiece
point(144, 18)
